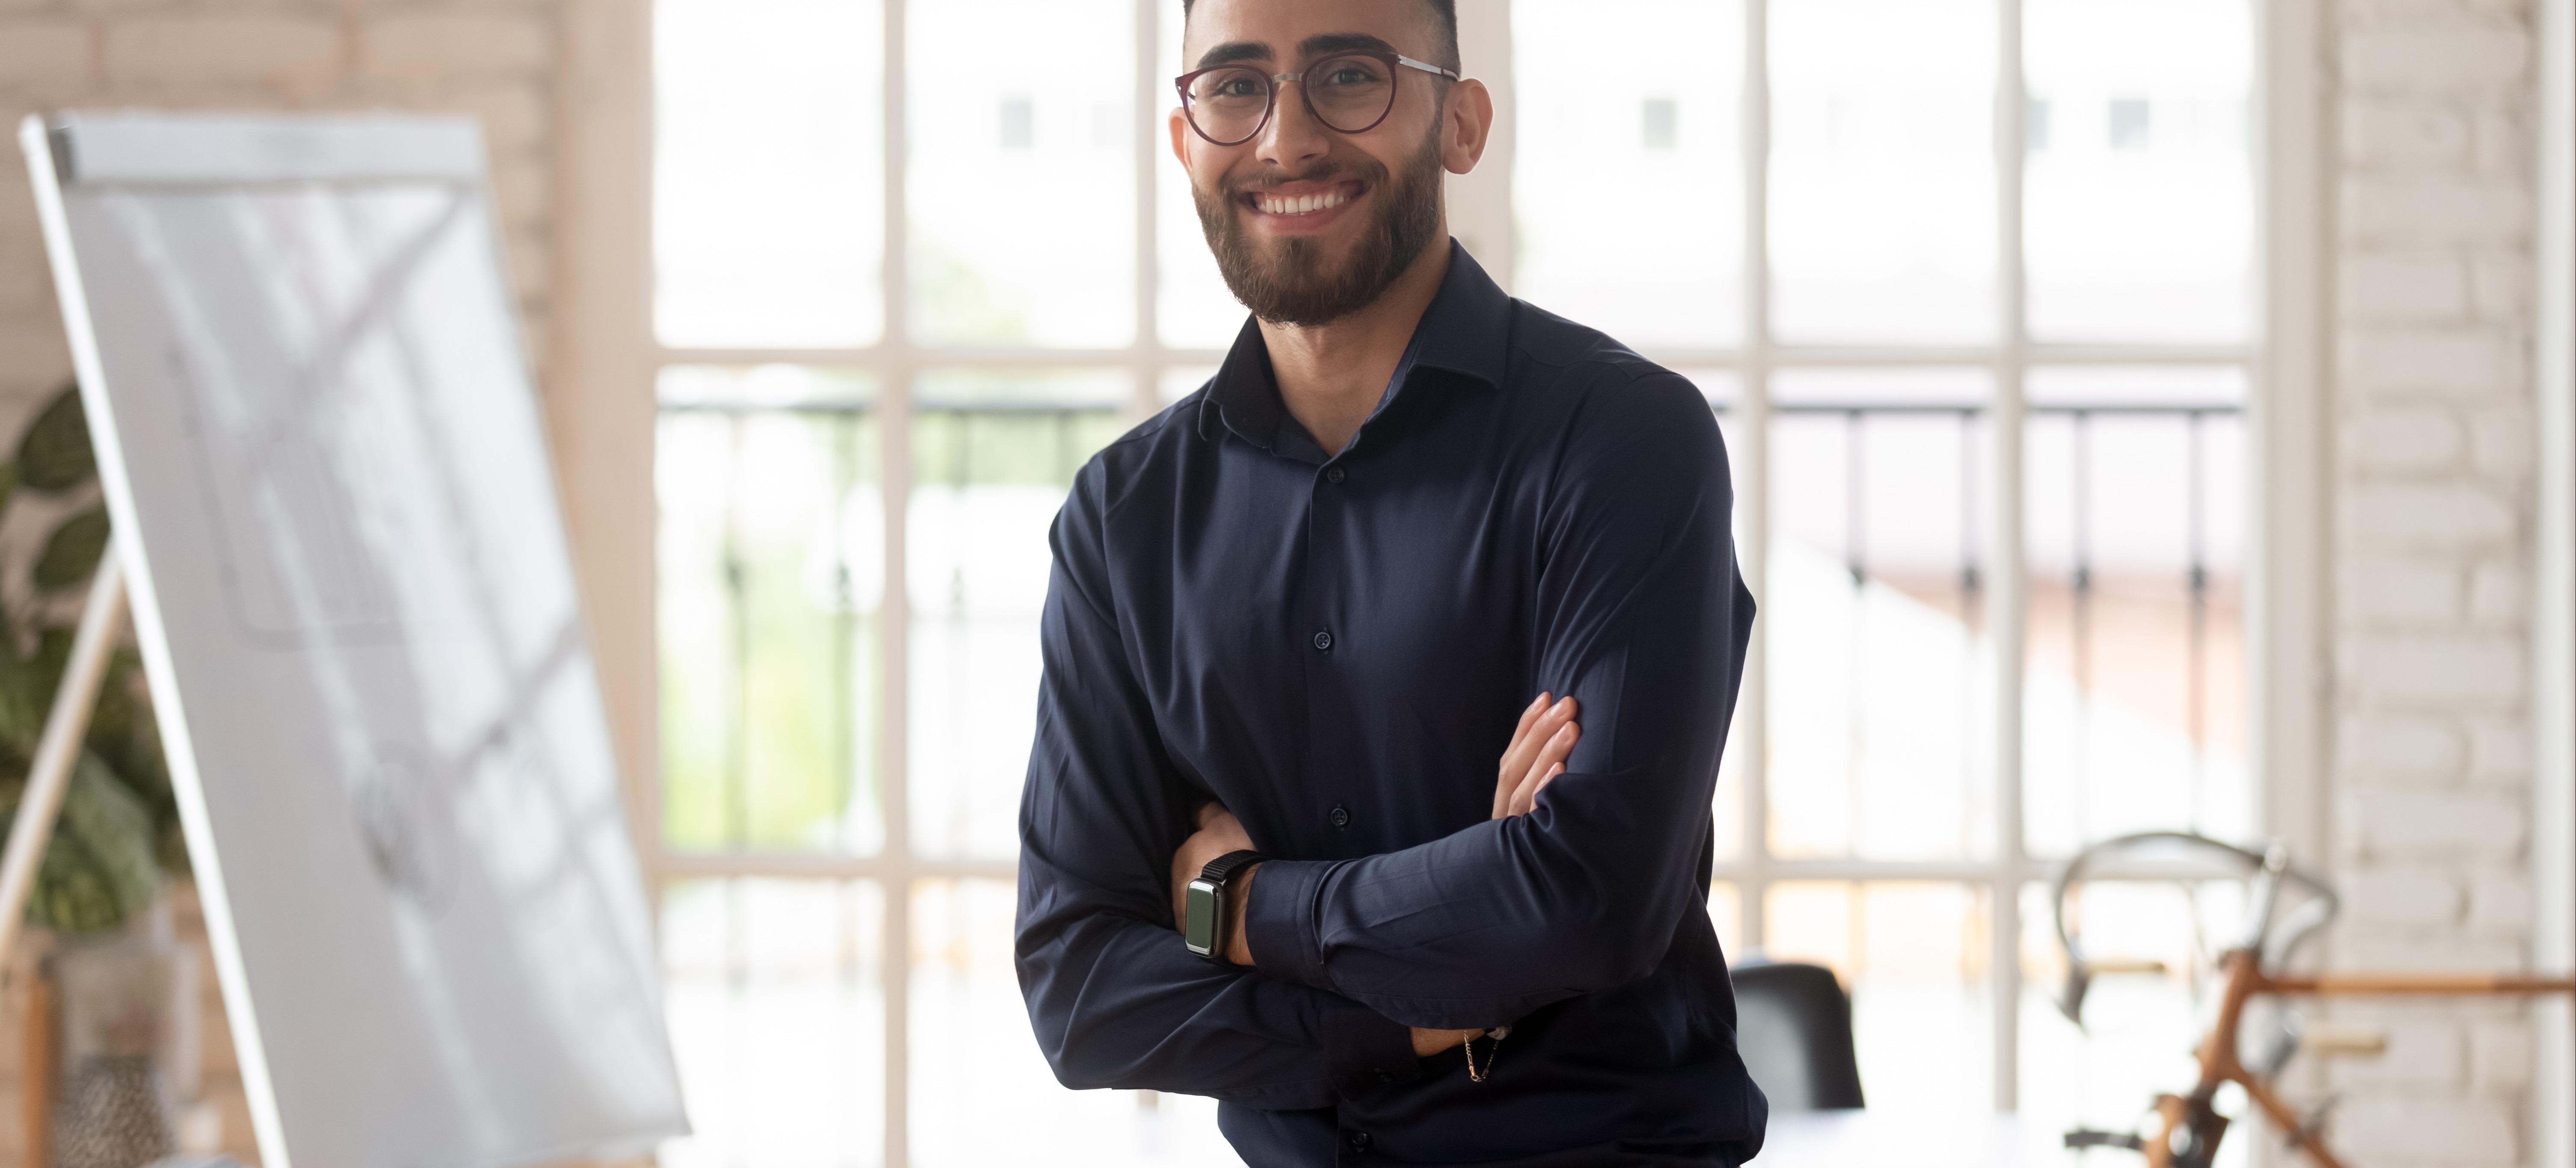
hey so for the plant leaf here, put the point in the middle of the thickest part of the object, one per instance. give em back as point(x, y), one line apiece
point(72, 551)
point(55, 454)
point(100, 867)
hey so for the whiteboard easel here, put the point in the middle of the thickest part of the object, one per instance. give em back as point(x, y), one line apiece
point(338, 538)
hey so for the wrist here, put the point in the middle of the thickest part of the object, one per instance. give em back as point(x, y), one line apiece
point(1238, 896)
point(1427, 1043)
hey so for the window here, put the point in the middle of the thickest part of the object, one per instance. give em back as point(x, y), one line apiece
point(1982, 383)
point(1981, 377)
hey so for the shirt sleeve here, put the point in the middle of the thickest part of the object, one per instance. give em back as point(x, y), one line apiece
point(1115, 998)
point(1643, 619)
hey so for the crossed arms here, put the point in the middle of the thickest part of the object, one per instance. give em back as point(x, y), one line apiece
point(1540, 743)
point(1639, 613)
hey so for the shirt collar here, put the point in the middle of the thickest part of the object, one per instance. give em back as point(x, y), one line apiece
point(1466, 331)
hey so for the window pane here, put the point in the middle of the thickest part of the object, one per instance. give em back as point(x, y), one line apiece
point(772, 560)
point(1726, 913)
point(2139, 1029)
point(777, 1017)
point(2140, 179)
point(1914, 958)
point(981, 1091)
point(1644, 238)
point(2133, 704)
point(992, 459)
point(768, 179)
point(1879, 746)
point(1882, 170)
point(1022, 173)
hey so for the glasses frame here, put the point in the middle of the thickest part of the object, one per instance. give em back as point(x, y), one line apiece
point(1391, 59)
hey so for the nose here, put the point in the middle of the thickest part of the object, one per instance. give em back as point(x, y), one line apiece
point(1294, 137)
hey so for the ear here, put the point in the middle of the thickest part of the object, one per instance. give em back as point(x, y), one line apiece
point(1180, 138)
point(1470, 123)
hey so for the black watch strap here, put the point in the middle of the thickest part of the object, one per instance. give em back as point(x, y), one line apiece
point(1222, 869)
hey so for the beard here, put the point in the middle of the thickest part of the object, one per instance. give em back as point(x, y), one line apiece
point(1292, 281)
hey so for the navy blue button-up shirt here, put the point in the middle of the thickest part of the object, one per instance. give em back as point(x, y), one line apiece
point(1337, 648)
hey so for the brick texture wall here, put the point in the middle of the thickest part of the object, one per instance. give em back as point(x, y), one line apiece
point(2433, 478)
point(489, 58)
point(493, 59)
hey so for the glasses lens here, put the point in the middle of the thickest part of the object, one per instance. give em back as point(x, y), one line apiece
point(1228, 104)
point(1350, 94)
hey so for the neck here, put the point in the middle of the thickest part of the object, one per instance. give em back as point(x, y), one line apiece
point(1331, 375)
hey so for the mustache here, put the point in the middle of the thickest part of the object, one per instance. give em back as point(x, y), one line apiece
point(1372, 174)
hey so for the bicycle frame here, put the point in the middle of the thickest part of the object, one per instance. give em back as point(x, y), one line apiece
point(2185, 1130)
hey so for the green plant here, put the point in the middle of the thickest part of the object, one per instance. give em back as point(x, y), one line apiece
point(119, 829)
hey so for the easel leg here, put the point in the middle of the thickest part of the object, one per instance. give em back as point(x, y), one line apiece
point(59, 748)
point(36, 1073)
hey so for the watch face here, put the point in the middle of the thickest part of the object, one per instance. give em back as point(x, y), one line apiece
point(1202, 900)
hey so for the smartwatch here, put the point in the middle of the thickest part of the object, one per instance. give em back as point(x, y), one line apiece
point(1203, 923)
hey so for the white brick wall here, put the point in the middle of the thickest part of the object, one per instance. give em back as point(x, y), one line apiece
point(2434, 488)
point(489, 58)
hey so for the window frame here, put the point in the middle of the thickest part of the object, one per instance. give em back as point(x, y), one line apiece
point(602, 360)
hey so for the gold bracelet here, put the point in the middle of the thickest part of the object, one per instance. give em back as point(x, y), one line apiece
point(1497, 1034)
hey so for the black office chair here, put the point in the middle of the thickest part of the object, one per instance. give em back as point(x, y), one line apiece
point(1793, 1027)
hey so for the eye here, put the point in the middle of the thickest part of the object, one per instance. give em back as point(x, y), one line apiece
point(1351, 73)
point(1236, 85)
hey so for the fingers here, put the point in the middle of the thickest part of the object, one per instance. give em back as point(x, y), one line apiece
point(1208, 813)
point(1504, 776)
point(1522, 744)
point(1537, 706)
point(1549, 763)
point(1533, 736)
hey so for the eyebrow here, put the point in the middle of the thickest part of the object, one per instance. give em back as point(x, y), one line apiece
point(1310, 48)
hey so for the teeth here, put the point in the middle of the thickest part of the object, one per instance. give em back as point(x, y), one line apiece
point(1304, 204)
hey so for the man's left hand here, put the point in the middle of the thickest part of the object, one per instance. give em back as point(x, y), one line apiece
point(1219, 833)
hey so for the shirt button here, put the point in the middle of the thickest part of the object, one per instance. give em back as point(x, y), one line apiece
point(1341, 816)
point(1385, 1076)
point(1323, 640)
point(1359, 1141)
point(1333, 474)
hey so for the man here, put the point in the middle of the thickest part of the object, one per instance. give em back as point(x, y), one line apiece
point(1295, 616)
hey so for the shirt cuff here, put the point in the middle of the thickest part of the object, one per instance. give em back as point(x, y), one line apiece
point(1364, 1050)
point(1279, 921)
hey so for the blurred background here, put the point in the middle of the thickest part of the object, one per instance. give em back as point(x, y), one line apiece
point(2143, 412)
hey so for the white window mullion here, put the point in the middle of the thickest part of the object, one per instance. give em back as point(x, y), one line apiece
point(1147, 397)
point(1752, 463)
point(2007, 595)
point(894, 609)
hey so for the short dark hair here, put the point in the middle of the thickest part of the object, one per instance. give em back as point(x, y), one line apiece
point(1445, 10)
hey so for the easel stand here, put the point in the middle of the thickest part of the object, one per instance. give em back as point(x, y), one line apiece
point(60, 745)
point(47, 777)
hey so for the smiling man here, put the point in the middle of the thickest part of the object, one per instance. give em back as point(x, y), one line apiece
point(1293, 619)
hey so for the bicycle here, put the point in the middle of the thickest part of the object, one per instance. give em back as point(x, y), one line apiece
point(2183, 1131)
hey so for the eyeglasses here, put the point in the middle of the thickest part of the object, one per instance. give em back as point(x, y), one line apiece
point(1348, 92)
